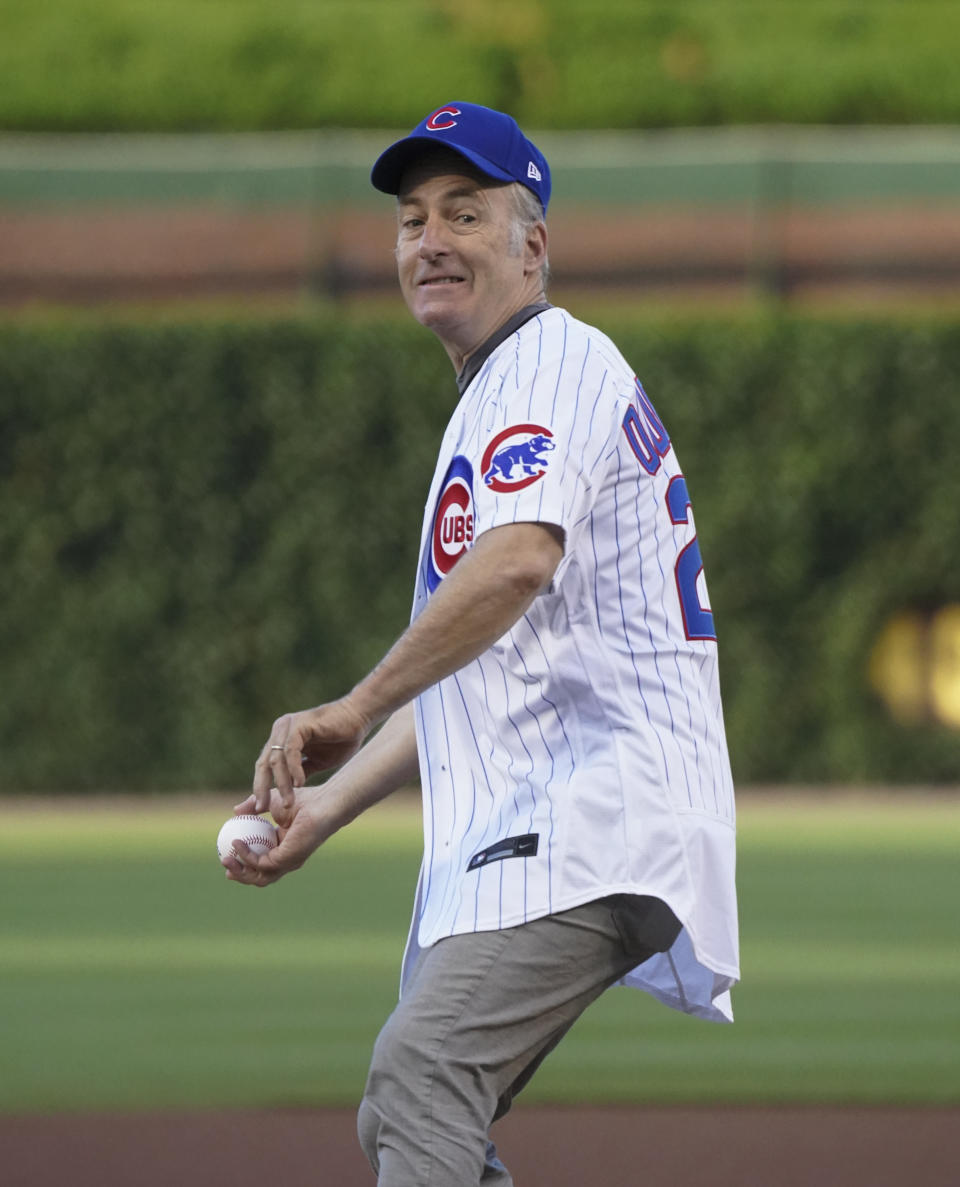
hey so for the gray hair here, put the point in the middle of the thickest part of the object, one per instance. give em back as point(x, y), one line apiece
point(527, 213)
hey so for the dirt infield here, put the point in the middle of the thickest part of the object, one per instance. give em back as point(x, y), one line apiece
point(560, 1147)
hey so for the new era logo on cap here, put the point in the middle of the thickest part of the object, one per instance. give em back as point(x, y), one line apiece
point(490, 140)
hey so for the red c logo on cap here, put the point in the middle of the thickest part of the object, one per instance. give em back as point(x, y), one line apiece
point(434, 124)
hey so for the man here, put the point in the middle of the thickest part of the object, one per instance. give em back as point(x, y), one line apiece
point(556, 691)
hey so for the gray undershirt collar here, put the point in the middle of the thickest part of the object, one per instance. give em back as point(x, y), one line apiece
point(482, 353)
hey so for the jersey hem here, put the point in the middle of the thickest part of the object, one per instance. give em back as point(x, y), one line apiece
point(718, 967)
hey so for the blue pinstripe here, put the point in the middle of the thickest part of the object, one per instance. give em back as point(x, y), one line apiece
point(656, 653)
point(428, 812)
point(546, 745)
point(623, 621)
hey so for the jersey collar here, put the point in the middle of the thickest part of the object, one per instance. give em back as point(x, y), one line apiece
point(482, 353)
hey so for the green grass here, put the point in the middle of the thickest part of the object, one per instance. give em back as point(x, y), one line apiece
point(251, 64)
point(133, 976)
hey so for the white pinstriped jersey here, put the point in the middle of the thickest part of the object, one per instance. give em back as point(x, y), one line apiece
point(584, 753)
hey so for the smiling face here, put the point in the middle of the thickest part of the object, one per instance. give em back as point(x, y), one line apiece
point(462, 271)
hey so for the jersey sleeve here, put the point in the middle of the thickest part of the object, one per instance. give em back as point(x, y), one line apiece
point(541, 453)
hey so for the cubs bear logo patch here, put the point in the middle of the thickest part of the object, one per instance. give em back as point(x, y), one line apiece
point(516, 457)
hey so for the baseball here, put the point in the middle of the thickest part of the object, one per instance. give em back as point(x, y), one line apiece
point(255, 831)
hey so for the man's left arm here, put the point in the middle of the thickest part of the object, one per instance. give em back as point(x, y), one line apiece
point(490, 588)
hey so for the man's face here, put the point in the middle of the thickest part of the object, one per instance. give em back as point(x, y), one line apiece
point(458, 274)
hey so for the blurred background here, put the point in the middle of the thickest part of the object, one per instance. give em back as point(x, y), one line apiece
point(217, 429)
point(218, 424)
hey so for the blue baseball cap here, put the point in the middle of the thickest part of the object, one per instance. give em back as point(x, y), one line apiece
point(490, 140)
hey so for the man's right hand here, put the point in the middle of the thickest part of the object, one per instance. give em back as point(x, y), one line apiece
point(309, 816)
point(299, 745)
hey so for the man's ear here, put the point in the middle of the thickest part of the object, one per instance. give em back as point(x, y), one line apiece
point(535, 247)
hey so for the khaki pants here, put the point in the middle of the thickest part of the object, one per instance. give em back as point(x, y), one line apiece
point(479, 1014)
